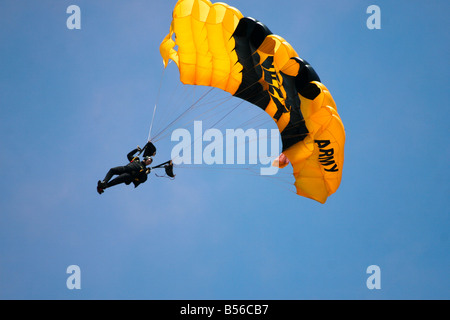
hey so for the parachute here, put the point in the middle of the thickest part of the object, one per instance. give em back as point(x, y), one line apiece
point(215, 45)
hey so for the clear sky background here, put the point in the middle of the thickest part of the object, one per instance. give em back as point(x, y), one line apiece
point(74, 102)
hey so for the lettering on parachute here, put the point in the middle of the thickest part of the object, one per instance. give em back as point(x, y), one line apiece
point(276, 92)
point(326, 156)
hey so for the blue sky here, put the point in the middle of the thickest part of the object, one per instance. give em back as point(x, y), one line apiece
point(74, 102)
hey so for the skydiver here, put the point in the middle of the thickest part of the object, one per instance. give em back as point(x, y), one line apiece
point(134, 172)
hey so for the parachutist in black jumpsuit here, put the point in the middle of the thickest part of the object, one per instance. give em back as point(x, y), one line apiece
point(136, 171)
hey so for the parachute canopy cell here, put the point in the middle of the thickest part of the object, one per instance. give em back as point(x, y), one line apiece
point(213, 44)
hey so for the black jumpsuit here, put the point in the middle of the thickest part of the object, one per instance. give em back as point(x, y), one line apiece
point(135, 171)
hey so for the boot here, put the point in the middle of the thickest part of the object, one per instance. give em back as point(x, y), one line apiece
point(100, 187)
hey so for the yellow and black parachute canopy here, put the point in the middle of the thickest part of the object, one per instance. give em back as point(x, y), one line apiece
point(213, 44)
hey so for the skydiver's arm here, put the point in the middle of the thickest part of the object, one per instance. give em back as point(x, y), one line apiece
point(130, 155)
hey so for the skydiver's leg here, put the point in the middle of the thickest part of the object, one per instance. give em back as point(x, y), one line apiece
point(114, 171)
point(123, 178)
